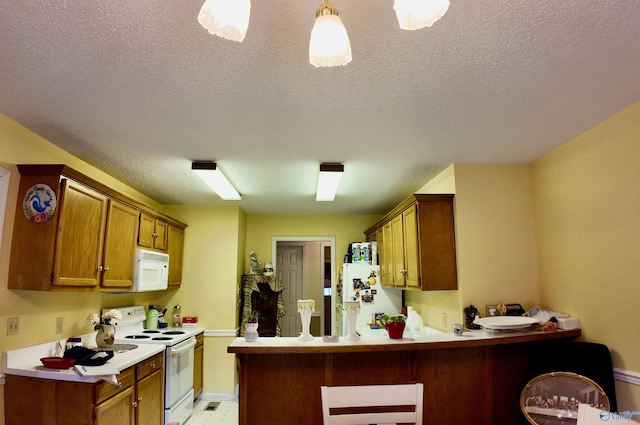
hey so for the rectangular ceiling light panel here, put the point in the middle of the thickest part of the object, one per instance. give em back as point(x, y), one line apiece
point(209, 172)
point(328, 181)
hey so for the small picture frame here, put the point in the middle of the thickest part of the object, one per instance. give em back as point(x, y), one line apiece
point(557, 395)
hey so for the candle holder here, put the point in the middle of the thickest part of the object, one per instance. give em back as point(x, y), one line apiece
point(352, 308)
point(306, 308)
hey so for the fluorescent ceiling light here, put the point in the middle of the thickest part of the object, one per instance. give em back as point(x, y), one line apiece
point(328, 181)
point(209, 172)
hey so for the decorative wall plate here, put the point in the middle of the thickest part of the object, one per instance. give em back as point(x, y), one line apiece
point(39, 203)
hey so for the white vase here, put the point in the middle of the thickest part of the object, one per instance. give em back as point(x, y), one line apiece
point(352, 308)
point(306, 308)
point(106, 336)
point(251, 332)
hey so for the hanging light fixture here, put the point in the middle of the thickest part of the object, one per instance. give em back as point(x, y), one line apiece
point(226, 18)
point(416, 14)
point(329, 44)
point(209, 172)
point(328, 181)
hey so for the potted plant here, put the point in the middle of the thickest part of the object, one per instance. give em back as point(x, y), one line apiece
point(394, 325)
point(250, 322)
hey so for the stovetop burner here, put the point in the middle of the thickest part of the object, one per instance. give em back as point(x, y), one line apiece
point(150, 331)
point(162, 338)
point(174, 333)
point(137, 337)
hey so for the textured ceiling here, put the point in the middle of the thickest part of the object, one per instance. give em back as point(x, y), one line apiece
point(139, 89)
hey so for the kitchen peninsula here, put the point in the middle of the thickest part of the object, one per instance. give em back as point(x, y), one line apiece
point(470, 379)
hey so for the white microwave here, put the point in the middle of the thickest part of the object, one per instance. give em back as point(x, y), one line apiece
point(151, 271)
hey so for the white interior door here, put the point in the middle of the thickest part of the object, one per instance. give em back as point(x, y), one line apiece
point(290, 270)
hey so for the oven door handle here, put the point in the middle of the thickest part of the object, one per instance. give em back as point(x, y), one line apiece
point(187, 347)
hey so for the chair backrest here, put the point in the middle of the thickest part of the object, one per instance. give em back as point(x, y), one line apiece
point(372, 404)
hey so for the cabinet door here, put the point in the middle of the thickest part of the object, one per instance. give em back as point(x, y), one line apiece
point(78, 252)
point(146, 230)
point(411, 248)
point(397, 252)
point(119, 246)
point(150, 400)
point(116, 410)
point(160, 235)
point(175, 245)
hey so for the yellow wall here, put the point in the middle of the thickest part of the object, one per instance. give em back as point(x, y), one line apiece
point(587, 212)
point(212, 258)
point(345, 228)
point(495, 242)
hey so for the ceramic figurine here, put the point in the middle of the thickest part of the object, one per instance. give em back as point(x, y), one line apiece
point(255, 264)
point(268, 269)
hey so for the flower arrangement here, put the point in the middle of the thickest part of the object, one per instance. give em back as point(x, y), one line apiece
point(111, 317)
point(251, 318)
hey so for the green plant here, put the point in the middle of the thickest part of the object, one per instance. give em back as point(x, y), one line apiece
point(250, 318)
point(384, 319)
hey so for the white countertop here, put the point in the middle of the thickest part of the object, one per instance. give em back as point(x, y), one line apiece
point(26, 361)
point(376, 337)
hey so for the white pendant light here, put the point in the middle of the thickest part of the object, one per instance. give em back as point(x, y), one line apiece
point(329, 44)
point(416, 14)
point(328, 181)
point(209, 172)
point(226, 18)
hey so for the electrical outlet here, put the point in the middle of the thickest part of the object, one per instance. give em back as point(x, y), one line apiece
point(13, 326)
point(59, 323)
point(444, 319)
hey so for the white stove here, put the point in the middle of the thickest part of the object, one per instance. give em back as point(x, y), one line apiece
point(178, 359)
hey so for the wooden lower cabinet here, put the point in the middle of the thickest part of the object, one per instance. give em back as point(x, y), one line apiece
point(136, 400)
point(118, 409)
point(198, 369)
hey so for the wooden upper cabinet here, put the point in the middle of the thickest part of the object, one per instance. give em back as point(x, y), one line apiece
point(153, 232)
point(82, 215)
point(418, 244)
point(87, 243)
point(119, 246)
point(175, 248)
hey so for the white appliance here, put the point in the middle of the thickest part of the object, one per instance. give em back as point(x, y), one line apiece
point(178, 359)
point(151, 271)
point(357, 286)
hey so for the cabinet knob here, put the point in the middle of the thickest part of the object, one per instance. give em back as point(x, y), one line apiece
point(119, 385)
point(403, 271)
point(152, 365)
point(106, 269)
point(134, 404)
point(139, 398)
point(100, 268)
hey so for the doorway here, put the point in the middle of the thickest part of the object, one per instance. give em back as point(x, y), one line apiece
point(305, 266)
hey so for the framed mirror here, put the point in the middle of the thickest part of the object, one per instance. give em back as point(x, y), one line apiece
point(553, 398)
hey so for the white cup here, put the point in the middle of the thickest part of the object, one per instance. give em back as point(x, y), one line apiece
point(458, 328)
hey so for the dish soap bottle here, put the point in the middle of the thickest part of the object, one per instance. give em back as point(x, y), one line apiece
point(177, 317)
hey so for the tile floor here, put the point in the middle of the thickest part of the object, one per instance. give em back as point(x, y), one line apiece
point(225, 414)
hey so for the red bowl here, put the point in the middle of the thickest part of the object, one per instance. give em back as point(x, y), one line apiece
point(58, 362)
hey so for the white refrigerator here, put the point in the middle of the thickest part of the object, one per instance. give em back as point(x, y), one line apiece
point(361, 282)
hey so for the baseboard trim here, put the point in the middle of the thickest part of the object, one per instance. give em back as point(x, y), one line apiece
point(628, 376)
point(217, 397)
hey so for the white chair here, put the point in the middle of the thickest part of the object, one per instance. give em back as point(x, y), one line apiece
point(372, 396)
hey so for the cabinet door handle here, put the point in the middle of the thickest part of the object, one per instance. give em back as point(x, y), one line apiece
point(135, 404)
point(403, 271)
point(139, 398)
point(106, 269)
point(100, 268)
point(119, 385)
point(152, 365)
